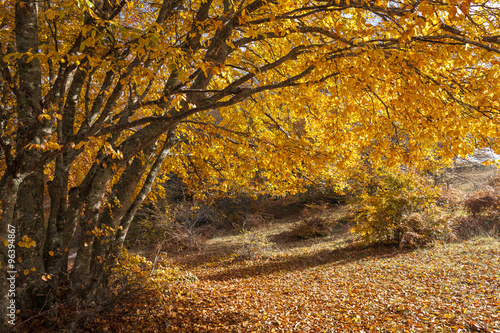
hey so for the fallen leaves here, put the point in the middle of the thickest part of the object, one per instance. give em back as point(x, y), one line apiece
point(449, 288)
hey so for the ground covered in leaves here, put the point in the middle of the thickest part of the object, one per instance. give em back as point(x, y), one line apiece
point(246, 283)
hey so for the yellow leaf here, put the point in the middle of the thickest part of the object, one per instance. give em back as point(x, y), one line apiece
point(50, 14)
point(44, 116)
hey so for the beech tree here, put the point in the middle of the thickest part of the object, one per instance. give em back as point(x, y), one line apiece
point(99, 98)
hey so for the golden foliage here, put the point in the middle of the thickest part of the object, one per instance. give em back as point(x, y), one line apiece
point(294, 88)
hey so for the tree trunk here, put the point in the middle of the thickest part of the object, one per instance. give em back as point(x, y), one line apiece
point(80, 274)
point(118, 204)
point(30, 224)
point(8, 253)
point(126, 221)
point(55, 250)
point(28, 211)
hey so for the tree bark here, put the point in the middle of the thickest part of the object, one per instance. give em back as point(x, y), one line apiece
point(7, 227)
point(28, 211)
point(30, 223)
point(118, 203)
point(126, 221)
point(80, 274)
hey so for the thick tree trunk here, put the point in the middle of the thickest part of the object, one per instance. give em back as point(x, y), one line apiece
point(118, 204)
point(55, 252)
point(23, 200)
point(8, 258)
point(80, 274)
point(28, 211)
point(126, 221)
point(30, 224)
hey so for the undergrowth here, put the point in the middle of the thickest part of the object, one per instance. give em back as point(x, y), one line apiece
point(401, 207)
point(328, 283)
point(449, 288)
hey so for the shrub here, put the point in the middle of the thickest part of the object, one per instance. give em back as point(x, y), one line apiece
point(323, 192)
point(481, 202)
point(183, 225)
point(468, 226)
point(310, 228)
point(253, 220)
point(245, 213)
point(400, 208)
point(194, 214)
point(483, 215)
point(147, 228)
point(182, 236)
point(135, 271)
point(312, 209)
point(256, 247)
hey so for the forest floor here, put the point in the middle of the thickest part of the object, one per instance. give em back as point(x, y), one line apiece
point(264, 281)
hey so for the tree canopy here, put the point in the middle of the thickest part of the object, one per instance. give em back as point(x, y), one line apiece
point(100, 98)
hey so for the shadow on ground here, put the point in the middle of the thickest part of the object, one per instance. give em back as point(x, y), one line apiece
point(339, 256)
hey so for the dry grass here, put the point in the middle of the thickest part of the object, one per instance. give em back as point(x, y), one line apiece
point(469, 179)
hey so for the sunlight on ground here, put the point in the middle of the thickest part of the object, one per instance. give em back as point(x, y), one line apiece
point(326, 284)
